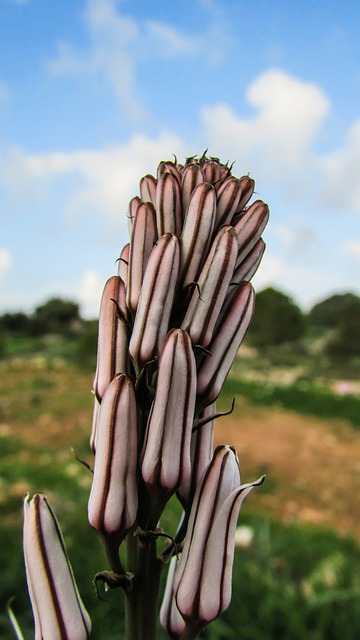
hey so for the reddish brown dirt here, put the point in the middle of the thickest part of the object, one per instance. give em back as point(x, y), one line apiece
point(312, 466)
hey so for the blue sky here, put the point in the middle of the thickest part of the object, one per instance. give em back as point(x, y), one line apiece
point(94, 93)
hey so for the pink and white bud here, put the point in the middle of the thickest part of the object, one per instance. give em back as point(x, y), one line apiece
point(168, 167)
point(202, 591)
point(170, 617)
point(250, 226)
point(131, 213)
point(247, 189)
point(148, 189)
point(191, 177)
point(166, 461)
point(123, 262)
point(228, 197)
point(143, 239)
point(113, 498)
point(156, 300)
point(228, 335)
point(113, 341)
point(168, 205)
point(58, 610)
point(197, 231)
point(249, 265)
point(209, 295)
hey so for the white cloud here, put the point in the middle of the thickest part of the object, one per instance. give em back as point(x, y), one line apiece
point(280, 136)
point(351, 248)
point(89, 292)
point(106, 179)
point(340, 187)
point(5, 262)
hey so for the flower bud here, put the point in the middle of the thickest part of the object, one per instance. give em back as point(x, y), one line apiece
point(112, 353)
point(58, 609)
point(228, 197)
point(148, 189)
point(113, 498)
point(156, 300)
point(168, 205)
point(202, 591)
point(250, 227)
point(228, 335)
point(191, 177)
point(197, 231)
point(249, 265)
point(170, 617)
point(132, 209)
point(209, 295)
point(166, 452)
point(143, 238)
point(247, 189)
point(123, 262)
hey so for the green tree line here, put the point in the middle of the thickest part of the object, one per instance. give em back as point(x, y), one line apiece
point(277, 320)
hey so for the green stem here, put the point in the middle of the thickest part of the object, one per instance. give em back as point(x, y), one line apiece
point(142, 599)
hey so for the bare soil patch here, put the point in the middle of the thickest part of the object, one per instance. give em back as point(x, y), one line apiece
point(312, 466)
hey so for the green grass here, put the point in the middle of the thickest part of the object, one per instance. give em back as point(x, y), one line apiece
point(290, 583)
point(303, 397)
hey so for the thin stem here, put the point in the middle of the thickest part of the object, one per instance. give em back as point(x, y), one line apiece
point(142, 599)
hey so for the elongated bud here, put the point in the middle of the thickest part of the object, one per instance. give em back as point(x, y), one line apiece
point(228, 197)
point(228, 335)
point(168, 205)
point(166, 452)
point(209, 295)
point(249, 265)
point(209, 533)
point(250, 227)
point(212, 171)
point(170, 617)
point(191, 177)
point(113, 497)
point(156, 299)
point(168, 167)
point(131, 213)
point(123, 262)
point(58, 609)
point(143, 239)
point(247, 189)
point(197, 231)
point(201, 451)
point(112, 353)
point(148, 189)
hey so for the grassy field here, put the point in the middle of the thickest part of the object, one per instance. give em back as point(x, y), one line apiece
point(292, 579)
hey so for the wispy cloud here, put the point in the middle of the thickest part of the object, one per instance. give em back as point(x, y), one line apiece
point(340, 188)
point(6, 261)
point(120, 44)
point(105, 179)
point(351, 248)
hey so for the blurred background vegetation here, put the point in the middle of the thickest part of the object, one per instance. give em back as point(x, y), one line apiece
point(292, 580)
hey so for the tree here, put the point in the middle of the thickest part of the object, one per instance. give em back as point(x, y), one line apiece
point(329, 312)
point(55, 316)
point(346, 341)
point(277, 319)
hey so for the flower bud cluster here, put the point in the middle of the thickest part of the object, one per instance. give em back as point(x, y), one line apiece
point(171, 323)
